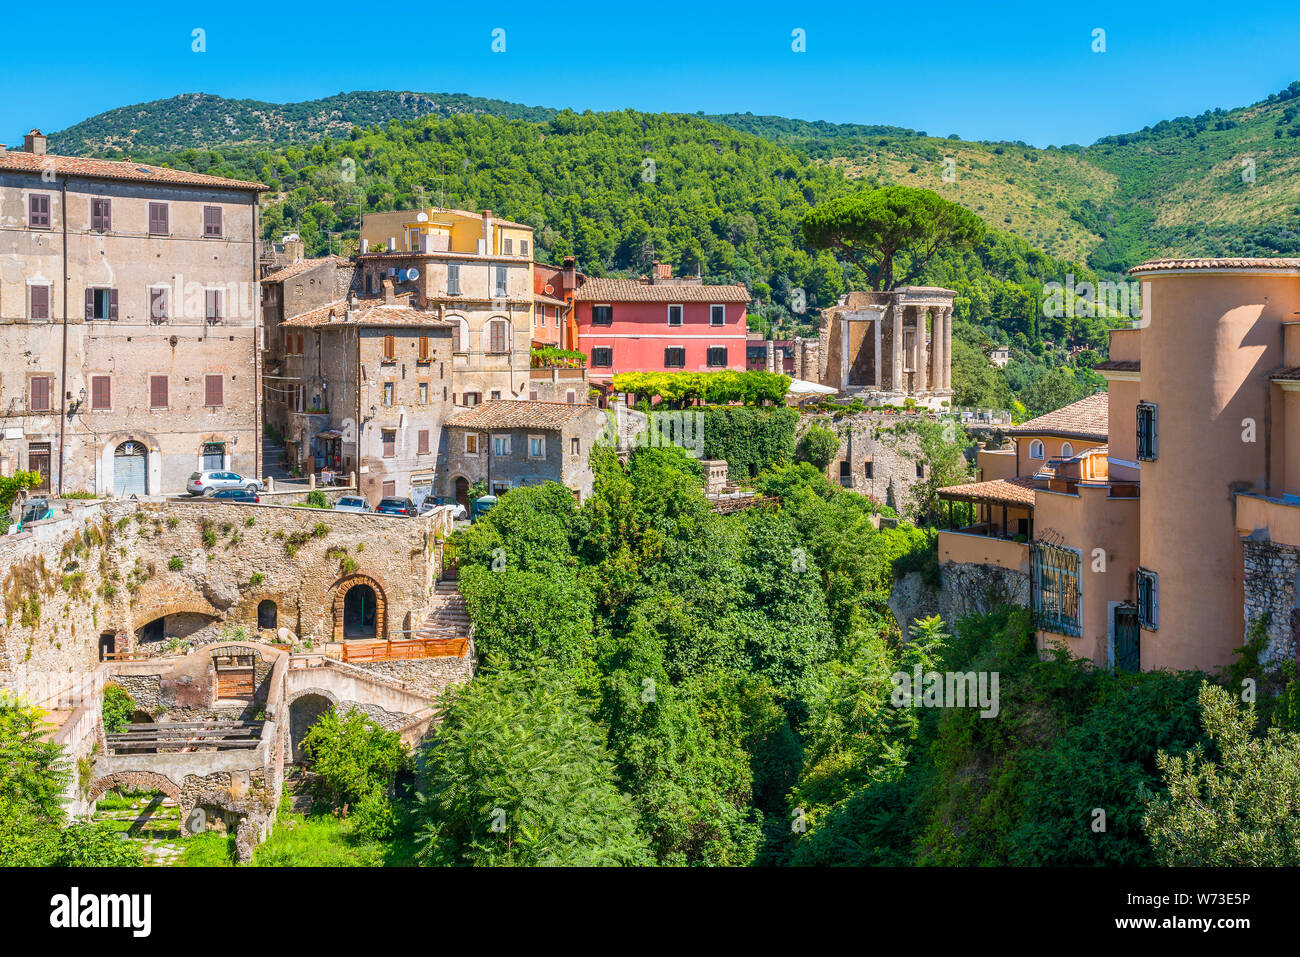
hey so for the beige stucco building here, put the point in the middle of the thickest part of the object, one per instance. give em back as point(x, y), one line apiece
point(128, 313)
point(1168, 545)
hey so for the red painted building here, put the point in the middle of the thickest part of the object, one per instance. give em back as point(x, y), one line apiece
point(660, 324)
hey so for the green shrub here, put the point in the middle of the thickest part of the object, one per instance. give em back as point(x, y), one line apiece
point(175, 563)
point(118, 708)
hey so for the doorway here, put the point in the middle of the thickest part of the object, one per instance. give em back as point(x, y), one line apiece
point(1128, 651)
point(462, 490)
point(359, 612)
point(129, 476)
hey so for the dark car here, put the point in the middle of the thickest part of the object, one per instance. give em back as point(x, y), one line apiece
point(395, 506)
point(235, 495)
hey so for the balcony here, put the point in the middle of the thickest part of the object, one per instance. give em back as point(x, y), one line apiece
point(980, 545)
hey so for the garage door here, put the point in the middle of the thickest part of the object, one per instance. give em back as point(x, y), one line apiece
point(129, 469)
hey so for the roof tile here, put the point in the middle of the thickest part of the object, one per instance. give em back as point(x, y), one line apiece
point(22, 162)
point(1086, 419)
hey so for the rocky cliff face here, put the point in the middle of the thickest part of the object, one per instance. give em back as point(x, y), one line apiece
point(964, 590)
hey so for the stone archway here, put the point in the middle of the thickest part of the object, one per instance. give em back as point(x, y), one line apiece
point(306, 708)
point(341, 589)
point(133, 781)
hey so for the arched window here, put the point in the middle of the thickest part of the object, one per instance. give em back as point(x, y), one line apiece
point(498, 336)
point(1036, 449)
point(1067, 450)
point(268, 615)
point(459, 334)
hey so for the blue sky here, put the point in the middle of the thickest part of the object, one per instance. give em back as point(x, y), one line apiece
point(982, 70)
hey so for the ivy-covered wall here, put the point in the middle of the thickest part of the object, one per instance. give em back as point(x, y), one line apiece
point(750, 438)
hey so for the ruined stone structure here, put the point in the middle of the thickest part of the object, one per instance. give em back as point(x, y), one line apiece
point(889, 346)
point(1271, 594)
point(128, 315)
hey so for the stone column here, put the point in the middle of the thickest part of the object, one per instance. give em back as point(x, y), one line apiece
point(896, 350)
point(947, 349)
point(937, 353)
point(771, 357)
point(922, 358)
point(844, 352)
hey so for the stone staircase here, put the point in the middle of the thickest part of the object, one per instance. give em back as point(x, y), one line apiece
point(447, 617)
point(271, 467)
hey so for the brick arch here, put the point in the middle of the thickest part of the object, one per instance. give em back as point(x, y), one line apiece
point(320, 692)
point(197, 606)
point(134, 781)
point(346, 584)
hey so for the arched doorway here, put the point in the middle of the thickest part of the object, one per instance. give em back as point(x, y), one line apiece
point(304, 711)
point(462, 491)
point(268, 615)
point(130, 469)
point(359, 607)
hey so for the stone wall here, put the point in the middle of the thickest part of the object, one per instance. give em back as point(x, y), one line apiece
point(964, 590)
point(429, 676)
point(1271, 596)
point(881, 465)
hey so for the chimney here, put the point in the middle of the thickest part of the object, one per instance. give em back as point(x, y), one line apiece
point(294, 249)
point(34, 143)
point(390, 298)
point(487, 231)
point(568, 273)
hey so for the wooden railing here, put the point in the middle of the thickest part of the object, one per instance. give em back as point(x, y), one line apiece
point(405, 649)
point(125, 655)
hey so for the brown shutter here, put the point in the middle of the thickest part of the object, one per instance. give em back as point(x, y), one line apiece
point(101, 392)
point(158, 392)
point(300, 349)
point(211, 220)
point(90, 304)
point(112, 304)
point(39, 397)
point(38, 210)
point(390, 347)
point(213, 390)
point(158, 219)
point(40, 302)
point(423, 446)
point(424, 347)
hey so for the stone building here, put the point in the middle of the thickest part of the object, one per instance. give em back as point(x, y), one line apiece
point(510, 444)
point(889, 346)
point(128, 307)
point(470, 270)
point(373, 380)
point(875, 458)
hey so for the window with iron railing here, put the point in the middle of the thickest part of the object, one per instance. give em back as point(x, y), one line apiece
point(1146, 431)
point(1148, 599)
point(1055, 588)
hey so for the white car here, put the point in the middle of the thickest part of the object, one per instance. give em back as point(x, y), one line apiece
point(351, 504)
point(205, 483)
point(430, 503)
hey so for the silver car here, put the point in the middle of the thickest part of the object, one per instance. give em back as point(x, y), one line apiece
point(205, 483)
point(351, 504)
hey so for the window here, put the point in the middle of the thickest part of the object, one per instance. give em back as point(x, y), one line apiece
point(422, 442)
point(38, 393)
point(388, 490)
point(159, 219)
point(1148, 592)
point(157, 392)
point(471, 443)
point(212, 303)
point(495, 395)
point(1067, 450)
point(101, 393)
point(422, 393)
point(602, 356)
point(674, 315)
point(500, 445)
point(717, 315)
point(498, 330)
point(532, 395)
point(453, 279)
point(523, 247)
point(388, 393)
point(212, 221)
point(870, 468)
point(38, 460)
point(1055, 588)
point(602, 315)
point(675, 357)
point(38, 302)
point(158, 303)
point(472, 398)
point(717, 356)
point(508, 247)
point(499, 284)
point(101, 304)
point(213, 390)
point(1146, 431)
point(414, 243)
point(459, 334)
point(571, 397)
point(846, 474)
point(1036, 450)
point(920, 470)
point(537, 446)
point(390, 348)
point(38, 210)
point(575, 446)
point(101, 215)
point(389, 437)
point(422, 353)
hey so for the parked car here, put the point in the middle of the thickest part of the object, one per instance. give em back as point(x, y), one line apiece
point(431, 502)
point(351, 503)
point(35, 510)
point(235, 495)
point(206, 483)
point(395, 506)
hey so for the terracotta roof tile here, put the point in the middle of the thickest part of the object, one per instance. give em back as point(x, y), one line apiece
point(518, 414)
point(1086, 419)
point(22, 162)
point(633, 290)
point(1288, 374)
point(294, 269)
point(1247, 263)
point(366, 312)
point(1013, 491)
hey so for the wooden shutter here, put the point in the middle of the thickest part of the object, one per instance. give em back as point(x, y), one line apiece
point(38, 210)
point(212, 304)
point(40, 302)
point(390, 443)
point(211, 220)
point(498, 338)
point(101, 215)
point(158, 219)
point(234, 683)
point(112, 304)
point(390, 347)
point(157, 304)
point(213, 391)
point(90, 304)
point(455, 338)
point(157, 392)
point(300, 351)
point(101, 392)
point(39, 400)
point(424, 347)
point(422, 447)
point(389, 490)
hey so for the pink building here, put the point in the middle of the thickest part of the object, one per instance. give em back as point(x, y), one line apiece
point(660, 324)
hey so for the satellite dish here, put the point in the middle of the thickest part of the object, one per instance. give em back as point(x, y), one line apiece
point(422, 218)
